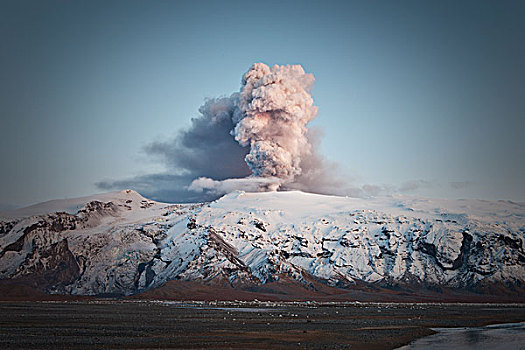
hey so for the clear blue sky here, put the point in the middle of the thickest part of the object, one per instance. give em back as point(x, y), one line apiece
point(423, 95)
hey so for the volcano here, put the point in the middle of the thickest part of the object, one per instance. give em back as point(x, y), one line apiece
point(287, 245)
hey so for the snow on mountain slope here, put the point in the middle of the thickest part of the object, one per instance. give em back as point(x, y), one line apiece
point(123, 243)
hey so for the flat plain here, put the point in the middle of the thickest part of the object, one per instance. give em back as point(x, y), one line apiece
point(234, 325)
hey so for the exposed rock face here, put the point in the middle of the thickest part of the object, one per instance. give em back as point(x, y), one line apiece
point(122, 243)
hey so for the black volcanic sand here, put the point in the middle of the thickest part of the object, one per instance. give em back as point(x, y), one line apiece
point(116, 324)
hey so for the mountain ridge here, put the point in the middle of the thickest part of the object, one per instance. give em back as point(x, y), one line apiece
point(121, 243)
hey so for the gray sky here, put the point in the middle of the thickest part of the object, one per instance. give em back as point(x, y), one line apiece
point(416, 97)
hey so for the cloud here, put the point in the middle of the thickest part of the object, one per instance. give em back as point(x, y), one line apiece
point(254, 140)
point(169, 188)
point(206, 148)
point(249, 184)
point(460, 184)
point(274, 107)
point(414, 185)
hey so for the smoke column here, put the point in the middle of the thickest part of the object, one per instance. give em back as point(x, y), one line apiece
point(274, 108)
point(270, 116)
point(255, 140)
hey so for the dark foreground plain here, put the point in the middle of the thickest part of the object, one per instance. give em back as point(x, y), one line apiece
point(237, 325)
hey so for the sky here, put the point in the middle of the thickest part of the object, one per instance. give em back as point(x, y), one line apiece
point(415, 97)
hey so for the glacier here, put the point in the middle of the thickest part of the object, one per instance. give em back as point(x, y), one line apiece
point(121, 243)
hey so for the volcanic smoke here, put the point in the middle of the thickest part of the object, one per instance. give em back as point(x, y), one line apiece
point(255, 140)
point(270, 114)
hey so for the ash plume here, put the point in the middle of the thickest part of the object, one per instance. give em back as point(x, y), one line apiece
point(254, 140)
point(272, 110)
point(206, 148)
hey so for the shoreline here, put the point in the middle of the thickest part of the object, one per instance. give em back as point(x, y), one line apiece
point(494, 336)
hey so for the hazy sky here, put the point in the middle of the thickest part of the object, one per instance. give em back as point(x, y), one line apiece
point(425, 97)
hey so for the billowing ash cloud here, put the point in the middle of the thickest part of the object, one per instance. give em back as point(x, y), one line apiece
point(274, 107)
point(254, 140)
point(272, 111)
point(206, 148)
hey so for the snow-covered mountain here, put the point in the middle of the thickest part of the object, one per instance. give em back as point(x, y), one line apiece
point(122, 243)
